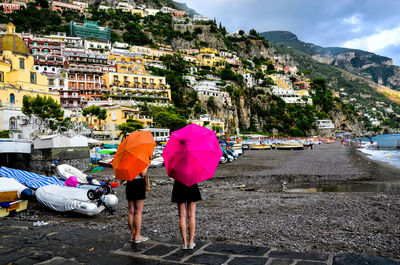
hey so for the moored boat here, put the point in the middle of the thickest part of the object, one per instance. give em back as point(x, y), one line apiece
point(260, 146)
point(291, 145)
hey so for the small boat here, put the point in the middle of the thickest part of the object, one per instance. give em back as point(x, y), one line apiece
point(157, 162)
point(65, 199)
point(237, 147)
point(291, 145)
point(106, 162)
point(12, 196)
point(260, 146)
point(65, 171)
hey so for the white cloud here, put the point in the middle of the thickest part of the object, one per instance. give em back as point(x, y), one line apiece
point(353, 20)
point(377, 41)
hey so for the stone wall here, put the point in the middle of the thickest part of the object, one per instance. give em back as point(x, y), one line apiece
point(42, 159)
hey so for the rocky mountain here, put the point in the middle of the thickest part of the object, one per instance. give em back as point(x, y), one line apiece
point(376, 68)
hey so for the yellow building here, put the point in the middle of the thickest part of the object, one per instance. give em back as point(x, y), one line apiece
point(17, 79)
point(122, 85)
point(208, 50)
point(149, 52)
point(138, 12)
point(211, 123)
point(281, 81)
point(210, 60)
point(128, 64)
point(116, 115)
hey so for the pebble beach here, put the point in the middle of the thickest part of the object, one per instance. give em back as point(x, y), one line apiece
point(246, 203)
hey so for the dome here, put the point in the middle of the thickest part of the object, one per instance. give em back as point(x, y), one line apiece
point(12, 42)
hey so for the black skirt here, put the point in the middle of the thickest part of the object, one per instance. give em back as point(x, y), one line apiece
point(182, 193)
point(136, 189)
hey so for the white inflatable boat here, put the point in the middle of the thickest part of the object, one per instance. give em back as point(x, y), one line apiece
point(65, 199)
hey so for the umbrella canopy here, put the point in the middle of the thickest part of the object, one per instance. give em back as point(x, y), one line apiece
point(133, 155)
point(192, 154)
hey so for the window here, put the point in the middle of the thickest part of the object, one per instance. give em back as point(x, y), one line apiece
point(12, 98)
point(61, 82)
point(1, 76)
point(21, 63)
point(51, 82)
point(33, 78)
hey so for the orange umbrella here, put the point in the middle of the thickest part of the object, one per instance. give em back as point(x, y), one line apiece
point(133, 155)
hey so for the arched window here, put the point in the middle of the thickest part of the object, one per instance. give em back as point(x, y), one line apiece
point(13, 123)
point(12, 98)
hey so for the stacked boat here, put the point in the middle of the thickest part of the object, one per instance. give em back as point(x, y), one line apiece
point(88, 197)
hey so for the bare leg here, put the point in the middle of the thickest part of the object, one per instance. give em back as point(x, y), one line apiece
point(137, 217)
point(131, 212)
point(182, 221)
point(192, 220)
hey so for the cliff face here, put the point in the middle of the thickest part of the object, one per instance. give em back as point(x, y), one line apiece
point(205, 37)
point(252, 48)
point(376, 68)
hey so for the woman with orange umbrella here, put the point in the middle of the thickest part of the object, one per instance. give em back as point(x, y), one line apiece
point(131, 163)
point(136, 194)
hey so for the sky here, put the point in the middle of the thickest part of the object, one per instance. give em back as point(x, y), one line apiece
point(370, 25)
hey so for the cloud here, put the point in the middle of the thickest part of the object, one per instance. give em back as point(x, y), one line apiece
point(353, 20)
point(377, 41)
point(370, 25)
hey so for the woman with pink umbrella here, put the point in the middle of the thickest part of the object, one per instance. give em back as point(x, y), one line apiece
point(191, 156)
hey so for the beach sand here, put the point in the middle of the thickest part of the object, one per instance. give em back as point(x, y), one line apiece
point(244, 203)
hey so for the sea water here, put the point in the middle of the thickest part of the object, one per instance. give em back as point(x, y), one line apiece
point(391, 157)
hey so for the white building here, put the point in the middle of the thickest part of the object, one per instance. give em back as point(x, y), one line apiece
point(82, 5)
point(288, 95)
point(120, 45)
point(324, 124)
point(248, 80)
point(124, 6)
point(166, 9)
point(191, 80)
point(200, 18)
point(206, 89)
point(97, 46)
point(151, 11)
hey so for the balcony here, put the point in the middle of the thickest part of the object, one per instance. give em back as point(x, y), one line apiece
point(69, 96)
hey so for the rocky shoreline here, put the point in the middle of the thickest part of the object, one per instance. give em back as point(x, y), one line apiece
point(244, 204)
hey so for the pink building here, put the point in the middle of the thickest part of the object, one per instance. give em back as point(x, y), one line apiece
point(11, 7)
point(178, 13)
point(59, 6)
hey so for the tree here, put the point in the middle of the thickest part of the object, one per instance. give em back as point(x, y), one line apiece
point(128, 127)
point(42, 3)
point(241, 32)
point(94, 111)
point(134, 34)
point(169, 120)
point(227, 74)
point(253, 32)
point(42, 107)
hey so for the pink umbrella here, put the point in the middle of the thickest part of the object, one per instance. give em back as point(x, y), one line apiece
point(192, 154)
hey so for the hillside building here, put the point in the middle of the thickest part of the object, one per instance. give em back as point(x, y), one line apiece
point(206, 89)
point(84, 77)
point(18, 79)
point(90, 29)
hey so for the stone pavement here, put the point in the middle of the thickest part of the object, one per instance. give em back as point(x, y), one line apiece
point(22, 243)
